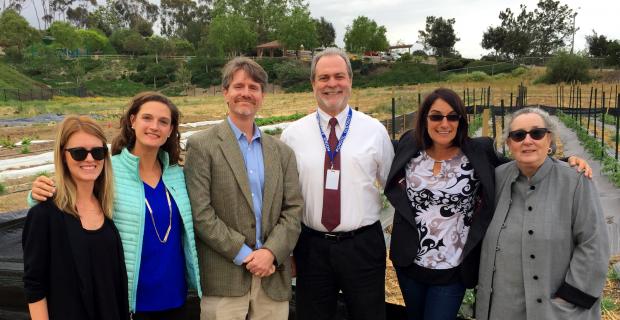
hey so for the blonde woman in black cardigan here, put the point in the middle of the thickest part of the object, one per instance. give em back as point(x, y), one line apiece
point(73, 257)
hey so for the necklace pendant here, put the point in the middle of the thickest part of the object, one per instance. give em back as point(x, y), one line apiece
point(167, 234)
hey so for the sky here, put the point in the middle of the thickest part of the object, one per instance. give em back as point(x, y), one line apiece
point(403, 18)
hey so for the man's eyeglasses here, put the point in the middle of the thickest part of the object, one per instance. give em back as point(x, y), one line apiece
point(80, 153)
point(536, 134)
point(439, 117)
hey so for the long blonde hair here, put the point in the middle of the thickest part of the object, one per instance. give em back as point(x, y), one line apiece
point(66, 191)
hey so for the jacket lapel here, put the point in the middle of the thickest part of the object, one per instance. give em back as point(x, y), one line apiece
point(395, 191)
point(232, 153)
point(482, 216)
point(79, 251)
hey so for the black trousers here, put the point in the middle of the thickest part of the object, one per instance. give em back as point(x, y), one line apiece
point(354, 265)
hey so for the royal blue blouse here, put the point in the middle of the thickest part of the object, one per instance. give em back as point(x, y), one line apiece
point(161, 283)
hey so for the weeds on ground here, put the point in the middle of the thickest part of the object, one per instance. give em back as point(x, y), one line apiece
point(7, 143)
point(278, 119)
point(610, 166)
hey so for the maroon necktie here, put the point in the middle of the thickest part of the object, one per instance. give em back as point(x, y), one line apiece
point(331, 198)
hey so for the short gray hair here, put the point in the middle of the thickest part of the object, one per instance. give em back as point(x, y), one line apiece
point(251, 68)
point(330, 52)
point(544, 115)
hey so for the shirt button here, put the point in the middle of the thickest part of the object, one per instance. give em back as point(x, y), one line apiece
point(530, 232)
point(529, 208)
point(497, 248)
point(532, 256)
point(251, 171)
point(539, 300)
point(252, 194)
point(535, 277)
point(532, 187)
point(504, 226)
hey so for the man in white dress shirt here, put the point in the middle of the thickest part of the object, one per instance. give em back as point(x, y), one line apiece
point(343, 157)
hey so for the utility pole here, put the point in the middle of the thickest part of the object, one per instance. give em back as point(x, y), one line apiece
point(572, 44)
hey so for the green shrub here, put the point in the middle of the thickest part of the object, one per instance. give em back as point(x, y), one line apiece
point(291, 72)
point(398, 73)
point(7, 143)
point(114, 88)
point(518, 71)
point(565, 67)
point(476, 76)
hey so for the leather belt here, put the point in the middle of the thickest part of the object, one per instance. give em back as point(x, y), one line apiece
point(337, 236)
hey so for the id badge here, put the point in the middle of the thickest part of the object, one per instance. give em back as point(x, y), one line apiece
point(331, 181)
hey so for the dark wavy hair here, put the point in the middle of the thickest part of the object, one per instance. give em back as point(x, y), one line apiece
point(127, 137)
point(421, 136)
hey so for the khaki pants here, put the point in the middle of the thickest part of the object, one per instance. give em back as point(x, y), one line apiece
point(255, 305)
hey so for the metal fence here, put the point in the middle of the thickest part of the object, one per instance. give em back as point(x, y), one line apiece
point(40, 93)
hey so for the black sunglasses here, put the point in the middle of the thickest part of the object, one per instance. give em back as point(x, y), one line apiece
point(536, 134)
point(439, 117)
point(80, 153)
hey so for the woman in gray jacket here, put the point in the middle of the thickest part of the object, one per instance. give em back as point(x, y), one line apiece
point(546, 251)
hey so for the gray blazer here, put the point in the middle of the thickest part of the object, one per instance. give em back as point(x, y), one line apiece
point(221, 200)
point(565, 247)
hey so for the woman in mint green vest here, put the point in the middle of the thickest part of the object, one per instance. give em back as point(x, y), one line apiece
point(151, 209)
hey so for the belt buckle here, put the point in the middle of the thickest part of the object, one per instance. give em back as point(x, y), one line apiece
point(331, 236)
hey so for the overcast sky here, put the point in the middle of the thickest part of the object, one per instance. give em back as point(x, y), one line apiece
point(403, 18)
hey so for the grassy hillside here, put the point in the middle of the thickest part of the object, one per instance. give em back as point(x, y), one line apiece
point(11, 78)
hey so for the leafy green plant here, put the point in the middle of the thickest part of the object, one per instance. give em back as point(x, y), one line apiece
point(25, 149)
point(43, 173)
point(273, 131)
point(565, 67)
point(2, 188)
point(26, 141)
point(467, 306)
point(7, 143)
point(609, 305)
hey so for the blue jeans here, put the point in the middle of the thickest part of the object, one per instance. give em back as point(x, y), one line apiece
point(430, 302)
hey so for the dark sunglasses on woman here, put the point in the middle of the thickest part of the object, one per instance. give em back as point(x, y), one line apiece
point(80, 153)
point(536, 134)
point(439, 117)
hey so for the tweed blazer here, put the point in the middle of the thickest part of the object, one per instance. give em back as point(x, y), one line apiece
point(565, 248)
point(224, 219)
point(405, 238)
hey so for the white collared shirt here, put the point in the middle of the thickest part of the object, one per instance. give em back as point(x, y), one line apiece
point(365, 159)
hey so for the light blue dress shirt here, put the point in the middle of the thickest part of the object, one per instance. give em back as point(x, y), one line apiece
point(253, 156)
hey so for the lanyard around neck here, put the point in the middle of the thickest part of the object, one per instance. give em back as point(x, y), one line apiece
point(330, 153)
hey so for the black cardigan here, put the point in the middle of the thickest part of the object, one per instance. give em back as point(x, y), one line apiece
point(55, 264)
point(405, 240)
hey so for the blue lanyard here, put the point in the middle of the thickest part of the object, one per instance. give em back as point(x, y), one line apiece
point(330, 153)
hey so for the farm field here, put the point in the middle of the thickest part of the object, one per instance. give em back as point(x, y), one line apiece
point(36, 120)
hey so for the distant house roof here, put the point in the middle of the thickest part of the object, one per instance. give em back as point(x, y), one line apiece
point(270, 45)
